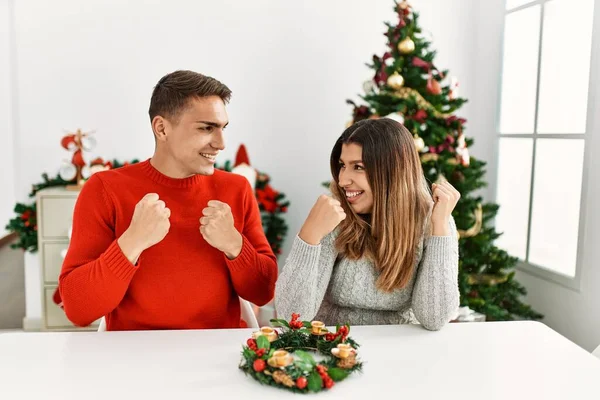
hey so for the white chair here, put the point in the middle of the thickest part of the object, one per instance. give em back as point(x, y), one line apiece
point(102, 326)
point(247, 314)
point(596, 352)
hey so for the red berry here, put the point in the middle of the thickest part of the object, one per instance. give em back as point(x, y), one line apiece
point(251, 342)
point(296, 324)
point(260, 352)
point(321, 369)
point(330, 337)
point(301, 382)
point(328, 383)
point(259, 365)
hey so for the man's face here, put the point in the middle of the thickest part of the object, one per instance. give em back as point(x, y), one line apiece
point(195, 138)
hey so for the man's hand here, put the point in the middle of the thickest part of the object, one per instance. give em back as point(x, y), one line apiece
point(149, 225)
point(216, 227)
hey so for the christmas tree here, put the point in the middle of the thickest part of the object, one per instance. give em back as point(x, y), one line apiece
point(408, 87)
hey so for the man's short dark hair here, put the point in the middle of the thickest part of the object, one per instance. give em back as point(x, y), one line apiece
point(173, 92)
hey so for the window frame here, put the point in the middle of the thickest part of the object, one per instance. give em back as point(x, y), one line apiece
point(540, 271)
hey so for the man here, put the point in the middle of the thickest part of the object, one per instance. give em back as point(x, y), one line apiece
point(169, 243)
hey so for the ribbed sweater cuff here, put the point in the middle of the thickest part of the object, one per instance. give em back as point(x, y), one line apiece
point(303, 253)
point(244, 259)
point(439, 248)
point(116, 261)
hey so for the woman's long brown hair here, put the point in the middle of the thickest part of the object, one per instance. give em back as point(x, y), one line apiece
point(389, 236)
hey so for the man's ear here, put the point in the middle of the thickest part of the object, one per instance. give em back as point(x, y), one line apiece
point(160, 128)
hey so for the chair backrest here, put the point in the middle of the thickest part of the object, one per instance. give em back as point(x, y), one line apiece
point(102, 326)
point(247, 314)
point(596, 352)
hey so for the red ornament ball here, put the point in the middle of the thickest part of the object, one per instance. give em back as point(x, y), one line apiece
point(259, 365)
point(301, 383)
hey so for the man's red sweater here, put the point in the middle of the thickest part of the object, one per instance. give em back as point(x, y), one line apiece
point(180, 283)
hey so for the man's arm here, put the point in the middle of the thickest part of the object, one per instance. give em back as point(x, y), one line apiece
point(95, 273)
point(99, 267)
point(254, 270)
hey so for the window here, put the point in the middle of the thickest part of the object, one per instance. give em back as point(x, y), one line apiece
point(542, 131)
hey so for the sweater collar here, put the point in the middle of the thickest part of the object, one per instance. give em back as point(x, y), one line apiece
point(159, 177)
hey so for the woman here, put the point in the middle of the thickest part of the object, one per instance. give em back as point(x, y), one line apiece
point(384, 250)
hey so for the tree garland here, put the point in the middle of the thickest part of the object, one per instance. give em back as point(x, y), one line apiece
point(271, 203)
point(25, 223)
point(269, 358)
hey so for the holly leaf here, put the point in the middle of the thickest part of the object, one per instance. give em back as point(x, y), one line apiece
point(280, 322)
point(304, 356)
point(314, 382)
point(263, 343)
point(248, 353)
point(302, 365)
point(337, 374)
point(306, 324)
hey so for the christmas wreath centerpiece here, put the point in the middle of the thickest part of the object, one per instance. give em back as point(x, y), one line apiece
point(282, 357)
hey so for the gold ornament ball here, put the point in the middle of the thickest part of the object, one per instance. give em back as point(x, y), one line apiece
point(395, 81)
point(419, 143)
point(406, 46)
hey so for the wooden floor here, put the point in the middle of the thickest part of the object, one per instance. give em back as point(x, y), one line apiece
point(12, 288)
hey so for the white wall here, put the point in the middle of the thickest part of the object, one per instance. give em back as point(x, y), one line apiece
point(7, 167)
point(291, 66)
point(487, 66)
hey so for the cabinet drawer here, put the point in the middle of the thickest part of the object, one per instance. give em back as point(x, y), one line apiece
point(55, 318)
point(53, 260)
point(57, 216)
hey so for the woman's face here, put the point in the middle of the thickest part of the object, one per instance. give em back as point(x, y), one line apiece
point(353, 179)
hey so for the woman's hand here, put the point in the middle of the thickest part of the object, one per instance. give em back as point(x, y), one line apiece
point(445, 198)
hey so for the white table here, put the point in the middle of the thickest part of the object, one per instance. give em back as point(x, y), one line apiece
point(518, 360)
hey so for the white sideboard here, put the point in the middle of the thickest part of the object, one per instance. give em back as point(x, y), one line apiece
point(54, 219)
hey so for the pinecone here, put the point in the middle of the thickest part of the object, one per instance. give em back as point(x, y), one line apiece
point(283, 379)
point(347, 362)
